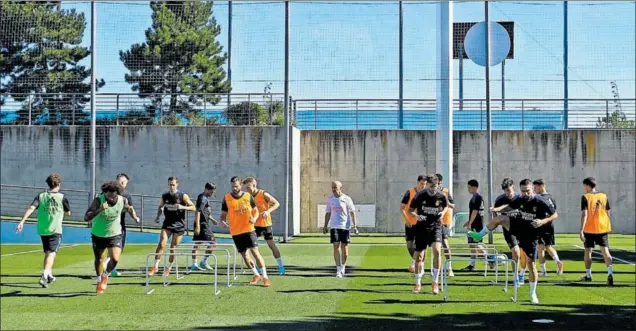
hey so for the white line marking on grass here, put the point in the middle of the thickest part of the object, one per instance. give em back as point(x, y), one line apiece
point(613, 257)
point(34, 251)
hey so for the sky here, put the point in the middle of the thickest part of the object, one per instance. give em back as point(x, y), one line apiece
point(350, 50)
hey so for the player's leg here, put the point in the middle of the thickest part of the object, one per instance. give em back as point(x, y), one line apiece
point(588, 244)
point(261, 263)
point(335, 241)
point(268, 235)
point(116, 273)
point(99, 247)
point(502, 220)
point(113, 246)
point(435, 240)
point(174, 243)
point(161, 246)
point(409, 235)
point(541, 257)
point(555, 256)
point(530, 247)
point(603, 242)
point(195, 258)
point(209, 237)
point(50, 246)
point(523, 266)
point(344, 238)
point(419, 251)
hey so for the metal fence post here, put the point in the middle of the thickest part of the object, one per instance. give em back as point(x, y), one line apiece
point(30, 101)
point(205, 112)
point(249, 109)
point(117, 106)
point(315, 114)
point(141, 219)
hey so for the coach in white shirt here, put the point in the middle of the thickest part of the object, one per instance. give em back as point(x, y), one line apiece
point(339, 210)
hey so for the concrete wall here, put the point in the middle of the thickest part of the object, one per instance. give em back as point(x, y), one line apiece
point(148, 154)
point(377, 167)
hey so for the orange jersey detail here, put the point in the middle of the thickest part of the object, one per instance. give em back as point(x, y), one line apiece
point(262, 205)
point(597, 219)
point(239, 212)
point(411, 218)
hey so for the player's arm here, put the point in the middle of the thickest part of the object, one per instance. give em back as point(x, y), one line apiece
point(473, 215)
point(354, 216)
point(95, 208)
point(501, 209)
point(327, 216)
point(272, 202)
point(224, 210)
point(34, 205)
point(403, 210)
point(159, 210)
point(446, 205)
point(131, 210)
point(254, 215)
point(451, 201)
point(189, 205)
point(66, 206)
point(548, 209)
point(414, 205)
point(607, 208)
point(583, 216)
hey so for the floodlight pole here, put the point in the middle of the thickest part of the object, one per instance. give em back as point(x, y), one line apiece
point(401, 69)
point(565, 66)
point(229, 50)
point(93, 94)
point(288, 126)
point(488, 116)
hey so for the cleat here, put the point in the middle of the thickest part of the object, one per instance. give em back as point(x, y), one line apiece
point(255, 280)
point(205, 266)
point(281, 270)
point(166, 272)
point(475, 235)
point(115, 273)
point(50, 279)
point(267, 282)
point(534, 300)
point(435, 288)
point(543, 273)
point(195, 267)
point(521, 280)
point(338, 274)
point(153, 271)
point(43, 282)
point(560, 268)
point(412, 269)
point(417, 288)
point(98, 289)
point(102, 284)
point(469, 268)
point(585, 278)
point(450, 273)
point(610, 280)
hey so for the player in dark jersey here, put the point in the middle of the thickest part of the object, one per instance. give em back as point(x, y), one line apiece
point(122, 179)
point(533, 212)
point(202, 229)
point(173, 206)
point(475, 223)
point(546, 232)
point(508, 186)
point(428, 206)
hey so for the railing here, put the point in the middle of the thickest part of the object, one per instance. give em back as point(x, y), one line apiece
point(518, 114)
point(14, 199)
point(131, 109)
point(267, 109)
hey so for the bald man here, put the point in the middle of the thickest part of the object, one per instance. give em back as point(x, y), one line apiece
point(339, 211)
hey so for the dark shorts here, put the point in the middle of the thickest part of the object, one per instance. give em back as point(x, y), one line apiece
point(546, 235)
point(529, 246)
point(339, 236)
point(99, 243)
point(426, 235)
point(511, 239)
point(245, 241)
point(476, 227)
point(409, 232)
point(51, 244)
point(445, 231)
point(265, 231)
point(205, 235)
point(176, 228)
point(593, 239)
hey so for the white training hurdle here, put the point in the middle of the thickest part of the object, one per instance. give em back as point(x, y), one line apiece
point(504, 259)
point(149, 291)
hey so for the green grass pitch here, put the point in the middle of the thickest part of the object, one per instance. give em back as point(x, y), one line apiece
point(375, 294)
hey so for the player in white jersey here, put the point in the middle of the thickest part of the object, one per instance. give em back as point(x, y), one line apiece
point(340, 209)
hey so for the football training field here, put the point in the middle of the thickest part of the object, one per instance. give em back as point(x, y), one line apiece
point(375, 293)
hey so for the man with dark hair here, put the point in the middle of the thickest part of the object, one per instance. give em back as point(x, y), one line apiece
point(595, 227)
point(202, 229)
point(508, 186)
point(533, 212)
point(122, 179)
point(410, 220)
point(475, 222)
point(266, 204)
point(105, 215)
point(52, 206)
point(447, 222)
point(173, 206)
point(546, 232)
point(428, 206)
point(240, 211)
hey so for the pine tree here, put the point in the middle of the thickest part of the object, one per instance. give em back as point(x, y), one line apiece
point(181, 60)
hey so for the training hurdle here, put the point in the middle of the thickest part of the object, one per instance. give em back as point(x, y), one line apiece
point(207, 243)
point(504, 259)
point(149, 291)
point(188, 270)
point(490, 251)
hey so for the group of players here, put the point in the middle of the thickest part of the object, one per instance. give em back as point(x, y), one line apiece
point(526, 217)
point(247, 213)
